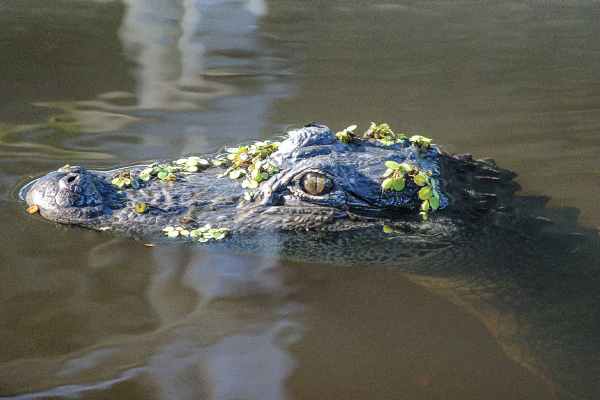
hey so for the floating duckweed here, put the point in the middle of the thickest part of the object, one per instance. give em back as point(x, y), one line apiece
point(140, 208)
point(425, 193)
point(192, 163)
point(33, 209)
point(202, 234)
point(167, 172)
point(396, 175)
point(394, 166)
point(347, 135)
point(123, 179)
point(425, 205)
point(393, 229)
point(421, 179)
point(162, 175)
point(207, 233)
point(379, 132)
point(249, 161)
point(104, 228)
point(385, 135)
point(420, 140)
point(398, 184)
point(236, 174)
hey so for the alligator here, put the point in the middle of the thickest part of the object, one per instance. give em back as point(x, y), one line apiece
point(449, 222)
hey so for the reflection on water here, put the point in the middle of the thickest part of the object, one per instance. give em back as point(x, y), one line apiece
point(126, 320)
point(203, 75)
point(220, 325)
point(170, 42)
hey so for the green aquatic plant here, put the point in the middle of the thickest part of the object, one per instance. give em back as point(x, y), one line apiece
point(168, 171)
point(140, 208)
point(124, 179)
point(420, 140)
point(396, 175)
point(379, 132)
point(164, 172)
point(347, 135)
point(249, 162)
point(193, 163)
point(202, 235)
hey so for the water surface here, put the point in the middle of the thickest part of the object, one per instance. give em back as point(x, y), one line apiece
point(110, 83)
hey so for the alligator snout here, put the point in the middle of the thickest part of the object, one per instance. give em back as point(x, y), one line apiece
point(66, 195)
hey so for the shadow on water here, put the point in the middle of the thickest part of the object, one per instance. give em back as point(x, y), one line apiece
point(510, 313)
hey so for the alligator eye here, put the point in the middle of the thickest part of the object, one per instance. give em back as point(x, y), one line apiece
point(316, 184)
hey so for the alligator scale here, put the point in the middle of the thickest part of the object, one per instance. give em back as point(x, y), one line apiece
point(450, 223)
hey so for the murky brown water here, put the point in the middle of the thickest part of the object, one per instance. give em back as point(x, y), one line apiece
point(83, 313)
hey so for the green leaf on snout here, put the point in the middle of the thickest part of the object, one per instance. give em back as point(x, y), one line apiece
point(387, 184)
point(162, 175)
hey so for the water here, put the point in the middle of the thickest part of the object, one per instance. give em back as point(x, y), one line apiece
point(105, 84)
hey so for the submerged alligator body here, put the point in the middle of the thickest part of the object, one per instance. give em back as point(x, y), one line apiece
point(450, 223)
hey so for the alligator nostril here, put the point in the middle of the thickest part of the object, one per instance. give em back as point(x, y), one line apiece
point(71, 178)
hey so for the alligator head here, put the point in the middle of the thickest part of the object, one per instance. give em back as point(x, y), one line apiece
point(313, 181)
